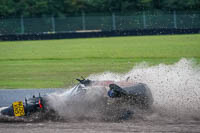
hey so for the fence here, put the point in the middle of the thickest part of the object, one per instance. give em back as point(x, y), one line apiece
point(101, 22)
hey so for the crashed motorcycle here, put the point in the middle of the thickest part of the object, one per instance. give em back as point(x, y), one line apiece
point(137, 94)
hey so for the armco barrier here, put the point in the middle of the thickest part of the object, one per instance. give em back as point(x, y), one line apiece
point(91, 34)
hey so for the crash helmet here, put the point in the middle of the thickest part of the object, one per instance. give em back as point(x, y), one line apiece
point(112, 93)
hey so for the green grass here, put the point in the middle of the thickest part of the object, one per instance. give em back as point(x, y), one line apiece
point(56, 63)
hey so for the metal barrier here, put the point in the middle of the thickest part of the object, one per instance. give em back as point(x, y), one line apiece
point(101, 22)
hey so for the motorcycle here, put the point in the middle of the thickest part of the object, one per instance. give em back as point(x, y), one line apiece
point(137, 94)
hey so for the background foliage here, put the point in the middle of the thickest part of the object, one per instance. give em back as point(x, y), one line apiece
point(38, 8)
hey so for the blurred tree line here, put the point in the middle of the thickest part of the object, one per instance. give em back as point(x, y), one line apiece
point(33, 8)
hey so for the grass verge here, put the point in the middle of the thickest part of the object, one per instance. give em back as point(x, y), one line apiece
point(56, 63)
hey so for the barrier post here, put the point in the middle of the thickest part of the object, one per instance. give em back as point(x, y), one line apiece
point(175, 24)
point(144, 20)
point(53, 23)
point(113, 21)
point(83, 21)
point(22, 24)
